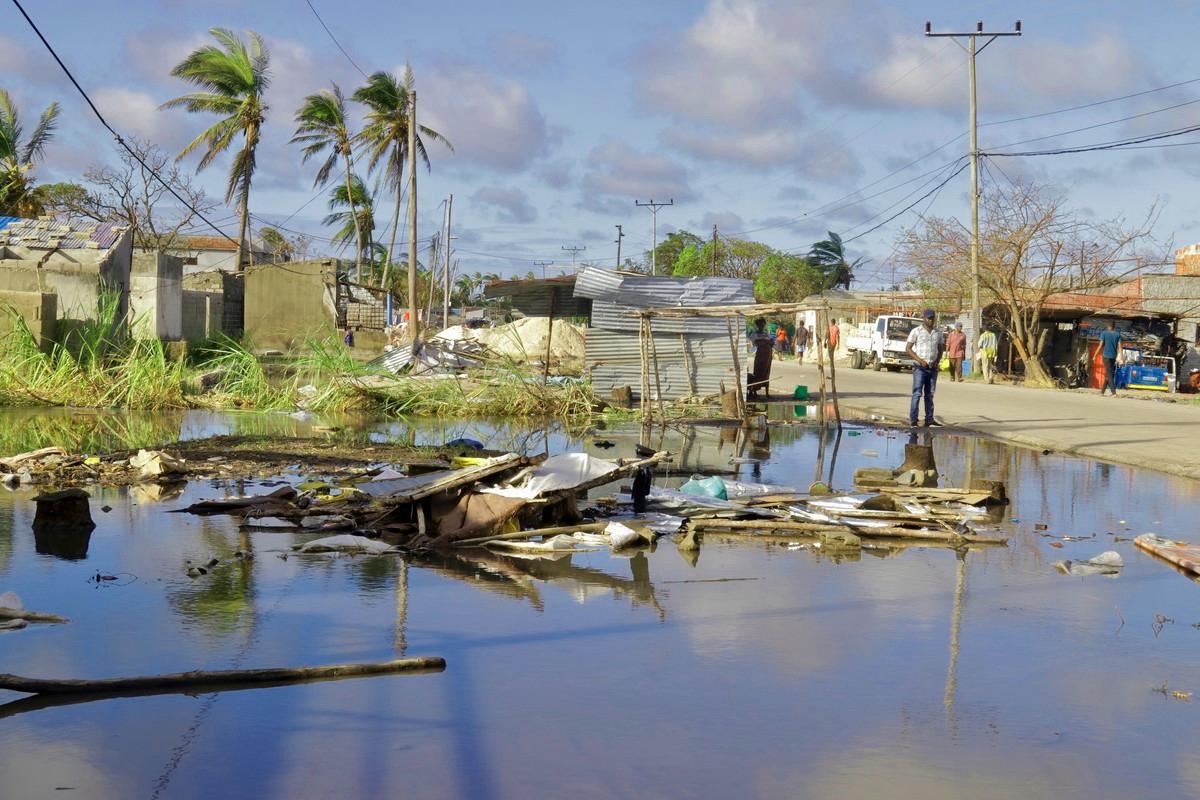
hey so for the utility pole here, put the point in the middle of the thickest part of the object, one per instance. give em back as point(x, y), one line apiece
point(543, 265)
point(446, 268)
point(414, 324)
point(714, 251)
point(574, 250)
point(654, 207)
point(620, 236)
point(971, 51)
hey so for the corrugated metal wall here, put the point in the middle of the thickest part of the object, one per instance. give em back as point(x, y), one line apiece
point(614, 359)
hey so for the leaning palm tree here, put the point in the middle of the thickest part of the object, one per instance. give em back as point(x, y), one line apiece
point(18, 154)
point(385, 136)
point(829, 256)
point(352, 208)
point(234, 78)
point(321, 129)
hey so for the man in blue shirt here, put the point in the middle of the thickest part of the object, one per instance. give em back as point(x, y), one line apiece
point(1110, 342)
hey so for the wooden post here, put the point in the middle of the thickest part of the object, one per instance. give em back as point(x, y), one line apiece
point(662, 414)
point(414, 323)
point(644, 400)
point(837, 411)
point(687, 365)
point(549, 337)
point(737, 369)
point(822, 327)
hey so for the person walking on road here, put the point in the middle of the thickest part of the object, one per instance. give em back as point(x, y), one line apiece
point(835, 337)
point(781, 342)
point(1110, 341)
point(801, 342)
point(986, 352)
point(956, 351)
point(925, 346)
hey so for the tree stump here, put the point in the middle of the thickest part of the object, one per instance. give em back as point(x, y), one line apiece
point(918, 457)
point(63, 526)
point(729, 404)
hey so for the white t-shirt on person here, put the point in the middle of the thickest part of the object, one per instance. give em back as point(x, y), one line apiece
point(925, 343)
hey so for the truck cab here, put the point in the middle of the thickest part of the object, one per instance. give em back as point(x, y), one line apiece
point(885, 344)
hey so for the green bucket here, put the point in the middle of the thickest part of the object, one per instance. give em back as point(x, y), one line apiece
point(801, 393)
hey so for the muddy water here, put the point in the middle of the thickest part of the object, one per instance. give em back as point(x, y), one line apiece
point(916, 675)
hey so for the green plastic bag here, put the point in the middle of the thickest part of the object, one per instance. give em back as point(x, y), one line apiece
point(706, 487)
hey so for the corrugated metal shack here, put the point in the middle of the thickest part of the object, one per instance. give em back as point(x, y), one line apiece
point(694, 355)
point(533, 297)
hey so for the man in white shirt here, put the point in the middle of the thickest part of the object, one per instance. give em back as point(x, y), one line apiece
point(925, 346)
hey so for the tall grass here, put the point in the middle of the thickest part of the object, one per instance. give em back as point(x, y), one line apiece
point(244, 382)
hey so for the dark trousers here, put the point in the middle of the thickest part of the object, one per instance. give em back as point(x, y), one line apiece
point(1110, 375)
point(956, 369)
point(923, 384)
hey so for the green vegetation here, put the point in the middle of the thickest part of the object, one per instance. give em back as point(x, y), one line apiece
point(18, 153)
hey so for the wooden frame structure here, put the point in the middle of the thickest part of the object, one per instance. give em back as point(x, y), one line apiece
point(729, 313)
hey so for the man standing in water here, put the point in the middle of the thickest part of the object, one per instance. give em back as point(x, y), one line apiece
point(925, 346)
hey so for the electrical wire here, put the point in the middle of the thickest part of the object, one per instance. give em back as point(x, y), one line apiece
point(1115, 144)
point(904, 210)
point(1101, 124)
point(1090, 105)
point(334, 38)
point(111, 129)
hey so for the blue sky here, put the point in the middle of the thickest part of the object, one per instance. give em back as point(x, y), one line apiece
point(779, 119)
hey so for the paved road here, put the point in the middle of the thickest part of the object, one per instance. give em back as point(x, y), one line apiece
point(1145, 433)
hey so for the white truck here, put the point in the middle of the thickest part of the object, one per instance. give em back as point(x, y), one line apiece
point(881, 344)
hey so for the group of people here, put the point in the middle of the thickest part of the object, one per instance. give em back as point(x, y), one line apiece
point(796, 344)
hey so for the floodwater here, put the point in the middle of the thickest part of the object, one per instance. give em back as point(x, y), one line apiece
point(756, 671)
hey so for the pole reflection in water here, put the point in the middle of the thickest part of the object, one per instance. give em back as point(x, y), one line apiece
point(960, 588)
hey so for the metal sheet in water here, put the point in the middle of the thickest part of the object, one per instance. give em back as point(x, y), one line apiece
point(613, 359)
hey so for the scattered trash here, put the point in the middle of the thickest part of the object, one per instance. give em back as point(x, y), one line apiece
point(1159, 623)
point(603, 444)
point(346, 543)
point(560, 543)
point(1167, 691)
point(870, 453)
point(473, 444)
point(854, 433)
point(1041, 526)
point(1106, 563)
point(158, 465)
point(620, 536)
point(106, 508)
point(1059, 545)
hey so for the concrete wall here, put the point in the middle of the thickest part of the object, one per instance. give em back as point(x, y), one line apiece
point(231, 287)
point(1178, 294)
point(288, 303)
point(202, 314)
point(156, 296)
point(38, 309)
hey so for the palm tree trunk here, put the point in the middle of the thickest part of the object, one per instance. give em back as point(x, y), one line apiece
point(242, 225)
point(358, 242)
point(387, 267)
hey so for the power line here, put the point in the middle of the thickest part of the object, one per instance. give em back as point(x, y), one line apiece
point(1102, 124)
point(904, 210)
point(1091, 105)
point(1115, 144)
point(334, 39)
point(113, 130)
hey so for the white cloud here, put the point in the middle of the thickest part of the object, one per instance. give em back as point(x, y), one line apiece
point(556, 174)
point(490, 120)
point(523, 51)
point(764, 148)
point(725, 221)
point(154, 52)
point(618, 174)
point(137, 113)
point(511, 205)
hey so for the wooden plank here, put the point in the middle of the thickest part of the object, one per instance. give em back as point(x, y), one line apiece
point(865, 533)
point(410, 490)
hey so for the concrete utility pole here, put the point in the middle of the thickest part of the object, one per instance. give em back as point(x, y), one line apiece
point(543, 265)
point(654, 207)
point(446, 268)
point(620, 236)
point(574, 250)
point(971, 51)
point(414, 324)
point(714, 250)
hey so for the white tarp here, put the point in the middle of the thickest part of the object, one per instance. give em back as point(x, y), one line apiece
point(557, 473)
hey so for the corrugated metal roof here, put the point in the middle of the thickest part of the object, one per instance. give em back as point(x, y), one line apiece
point(614, 359)
point(615, 295)
point(65, 236)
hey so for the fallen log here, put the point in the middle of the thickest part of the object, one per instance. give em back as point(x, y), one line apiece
point(188, 681)
point(31, 616)
point(13, 461)
point(866, 533)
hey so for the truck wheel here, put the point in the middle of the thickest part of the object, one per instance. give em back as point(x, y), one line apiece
point(856, 360)
point(876, 363)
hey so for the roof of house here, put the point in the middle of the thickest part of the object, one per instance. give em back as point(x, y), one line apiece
point(49, 233)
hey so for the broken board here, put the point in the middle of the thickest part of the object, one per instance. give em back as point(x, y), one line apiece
point(1184, 555)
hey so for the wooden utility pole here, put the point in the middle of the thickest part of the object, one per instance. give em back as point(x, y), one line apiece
point(972, 51)
point(414, 323)
point(446, 267)
point(620, 236)
point(714, 251)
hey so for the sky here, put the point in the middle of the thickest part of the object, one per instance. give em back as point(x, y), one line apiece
point(776, 121)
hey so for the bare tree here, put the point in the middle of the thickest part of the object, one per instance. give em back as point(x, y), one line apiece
point(130, 194)
point(1032, 248)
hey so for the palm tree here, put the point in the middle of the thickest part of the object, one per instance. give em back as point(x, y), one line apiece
point(386, 137)
point(18, 155)
point(234, 78)
point(829, 256)
point(352, 208)
point(320, 127)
